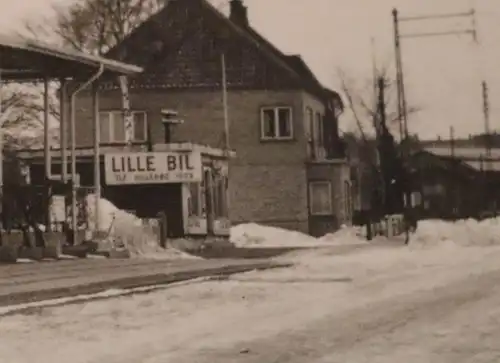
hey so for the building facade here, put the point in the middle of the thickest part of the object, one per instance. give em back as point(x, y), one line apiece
point(290, 170)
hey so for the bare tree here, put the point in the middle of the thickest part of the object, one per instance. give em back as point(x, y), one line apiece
point(93, 26)
point(22, 113)
point(364, 106)
point(363, 103)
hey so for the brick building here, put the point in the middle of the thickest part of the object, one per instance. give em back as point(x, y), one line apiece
point(290, 169)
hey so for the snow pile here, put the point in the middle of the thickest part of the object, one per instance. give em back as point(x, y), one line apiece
point(470, 232)
point(121, 228)
point(346, 236)
point(255, 235)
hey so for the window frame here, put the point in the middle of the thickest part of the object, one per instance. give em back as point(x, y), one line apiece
point(111, 126)
point(311, 186)
point(277, 136)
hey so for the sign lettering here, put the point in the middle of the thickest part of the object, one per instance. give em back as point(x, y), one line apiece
point(152, 168)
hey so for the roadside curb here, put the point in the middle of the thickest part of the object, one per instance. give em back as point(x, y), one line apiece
point(132, 282)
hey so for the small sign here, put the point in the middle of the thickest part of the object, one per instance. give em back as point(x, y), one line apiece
point(152, 168)
point(222, 227)
point(196, 226)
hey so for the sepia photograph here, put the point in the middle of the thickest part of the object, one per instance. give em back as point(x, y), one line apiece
point(249, 181)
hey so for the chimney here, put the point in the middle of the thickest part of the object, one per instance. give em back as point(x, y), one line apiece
point(238, 13)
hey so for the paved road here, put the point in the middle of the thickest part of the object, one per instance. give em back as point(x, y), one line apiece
point(22, 283)
point(459, 323)
point(421, 315)
point(378, 307)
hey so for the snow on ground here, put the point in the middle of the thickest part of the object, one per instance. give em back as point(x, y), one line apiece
point(468, 232)
point(127, 229)
point(255, 235)
point(185, 323)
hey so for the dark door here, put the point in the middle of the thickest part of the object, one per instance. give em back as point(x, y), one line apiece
point(209, 195)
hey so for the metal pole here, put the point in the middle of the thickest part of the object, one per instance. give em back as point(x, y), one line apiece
point(486, 113)
point(63, 133)
point(72, 133)
point(452, 142)
point(403, 125)
point(82, 86)
point(97, 162)
point(1, 153)
point(46, 135)
point(398, 71)
point(224, 101)
point(434, 34)
point(47, 150)
point(375, 88)
point(381, 133)
point(438, 16)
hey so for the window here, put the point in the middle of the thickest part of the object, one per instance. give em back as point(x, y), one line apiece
point(320, 198)
point(310, 132)
point(112, 124)
point(276, 123)
point(310, 121)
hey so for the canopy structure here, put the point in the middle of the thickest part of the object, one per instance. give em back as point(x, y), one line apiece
point(24, 60)
point(28, 60)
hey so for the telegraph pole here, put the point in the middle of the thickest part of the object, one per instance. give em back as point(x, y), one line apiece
point(401, 97)
point(486, 113)
point(402, 109)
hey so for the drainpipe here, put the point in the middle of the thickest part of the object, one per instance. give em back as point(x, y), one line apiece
point(73, 147)
point(47, 151)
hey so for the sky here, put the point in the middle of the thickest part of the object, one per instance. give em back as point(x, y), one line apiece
point(442, 74)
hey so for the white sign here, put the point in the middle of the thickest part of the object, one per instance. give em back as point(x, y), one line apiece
point(152, 167)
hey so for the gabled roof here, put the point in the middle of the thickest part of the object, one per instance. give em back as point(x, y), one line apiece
point(293, 65)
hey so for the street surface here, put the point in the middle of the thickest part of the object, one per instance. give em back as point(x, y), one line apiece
point(383, 305)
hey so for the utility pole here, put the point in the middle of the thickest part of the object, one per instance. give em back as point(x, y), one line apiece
point(486, 113)
point(452, 142)
point(380, 127)
point(399, 75)
point(402, 109)
point(487, 145)
point(401, 97)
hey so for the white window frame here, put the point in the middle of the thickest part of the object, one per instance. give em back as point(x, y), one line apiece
point(316, 183)
point(276, 110)
point(111, 114)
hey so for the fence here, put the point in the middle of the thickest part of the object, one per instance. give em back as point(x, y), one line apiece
point(388, 226)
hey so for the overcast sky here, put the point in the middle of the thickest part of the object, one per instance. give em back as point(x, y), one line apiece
point(443, 74)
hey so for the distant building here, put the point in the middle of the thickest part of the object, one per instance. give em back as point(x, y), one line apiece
point(456, 182)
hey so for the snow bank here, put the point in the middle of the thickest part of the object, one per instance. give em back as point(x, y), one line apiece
point(125, 229)
point(255, 235)
point(470, 232)
point(346, 236)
